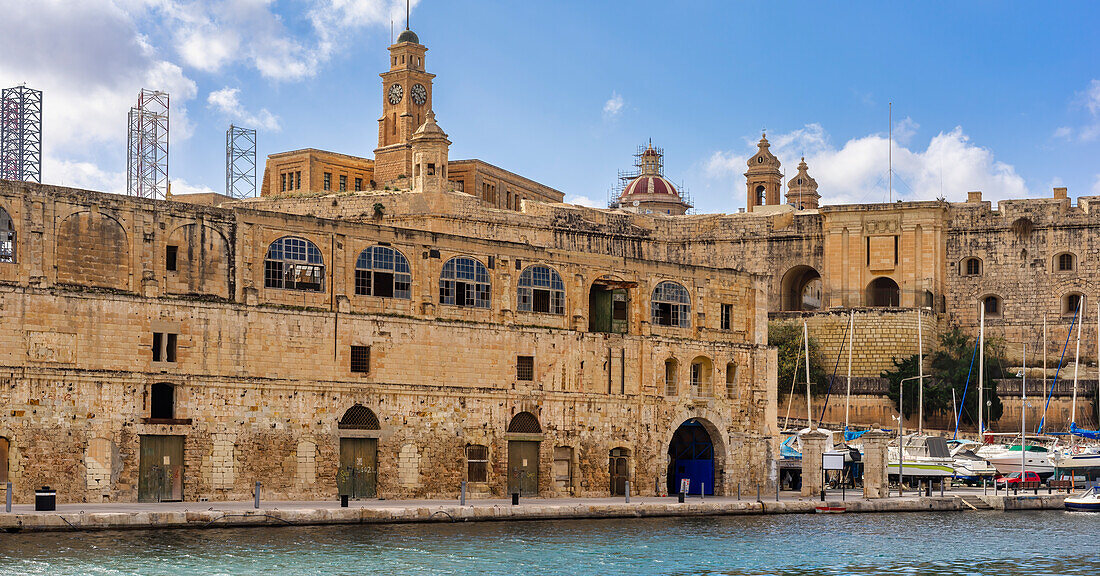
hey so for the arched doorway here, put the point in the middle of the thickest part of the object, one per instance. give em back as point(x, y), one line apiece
point(619, 469)
point(524, 437)
point(691, 458)
point(883, 292)
point(802, 289)
point(358, 473)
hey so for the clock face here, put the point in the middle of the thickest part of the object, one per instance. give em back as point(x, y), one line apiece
point(419, 94)
point(395, 94)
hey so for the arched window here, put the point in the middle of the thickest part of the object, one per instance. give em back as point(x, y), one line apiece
point(464, 282)
point(992, 306)
point(359, 417)
point(162, 401)
point(541, 290)
point(524, 423)
point(671, 367)
point(477, 463)
point(671, 305)
point(7, 237)
point(761, 195)
point(973, 267)
point(382, 271)
point(294, 264)
point(1070, 303)
point(1065, 262)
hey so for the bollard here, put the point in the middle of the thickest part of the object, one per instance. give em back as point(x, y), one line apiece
point(703, 491)
point(680, 497)
point(7, 498)
point(928, 488)
point(738, 490)
point(515, 498)
point(777, 491)
point(343, 500)
point(628, 491)
point(462, 494)
point(941, 488)
point(757, 492)
point(256, 504)
point(985, 488)
point(1049, 489)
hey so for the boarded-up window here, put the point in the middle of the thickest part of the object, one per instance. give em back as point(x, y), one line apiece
point(882, 252)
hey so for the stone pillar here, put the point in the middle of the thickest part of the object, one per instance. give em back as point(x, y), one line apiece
point(813, 446)
point(875, 478)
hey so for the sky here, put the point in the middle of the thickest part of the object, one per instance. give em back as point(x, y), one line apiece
point(1002, 97)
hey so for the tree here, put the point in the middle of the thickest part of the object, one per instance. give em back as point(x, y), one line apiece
point(787, 338)
point(949, 367)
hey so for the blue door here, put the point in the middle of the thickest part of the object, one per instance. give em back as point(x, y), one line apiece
point(691, 457)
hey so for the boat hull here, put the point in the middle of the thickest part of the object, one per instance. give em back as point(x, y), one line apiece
point(921, 469)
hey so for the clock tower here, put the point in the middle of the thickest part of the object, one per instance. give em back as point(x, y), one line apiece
point(406, 100)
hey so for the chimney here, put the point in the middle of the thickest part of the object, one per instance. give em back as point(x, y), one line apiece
point(1061, 193)
point(974, 197)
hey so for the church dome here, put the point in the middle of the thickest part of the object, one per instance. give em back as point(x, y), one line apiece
point(649, 184)
point(408, 36)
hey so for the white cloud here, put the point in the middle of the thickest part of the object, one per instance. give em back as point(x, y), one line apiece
point(181, 186)
point(226, 102)
point(858, 171)
point(1096, 186)
point(1063, 133)
point(1088, 99)
point(1092, 97)
point(583, 201)
point(613, 106)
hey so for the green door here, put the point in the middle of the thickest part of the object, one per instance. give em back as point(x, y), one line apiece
point(160, 469)
point(358, 474)
point(523, 467)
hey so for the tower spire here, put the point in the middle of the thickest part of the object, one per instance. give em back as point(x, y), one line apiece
point(406, 14)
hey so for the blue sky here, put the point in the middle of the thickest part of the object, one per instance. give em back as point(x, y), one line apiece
point(998, 96)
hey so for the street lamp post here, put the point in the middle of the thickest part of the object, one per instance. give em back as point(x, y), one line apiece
point(901, 430)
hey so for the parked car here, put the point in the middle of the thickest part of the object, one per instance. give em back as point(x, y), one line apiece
point(1014, 479)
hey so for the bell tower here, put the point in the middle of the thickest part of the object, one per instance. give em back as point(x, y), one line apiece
point(763, 177)
point(406, 100)
point(802, 189)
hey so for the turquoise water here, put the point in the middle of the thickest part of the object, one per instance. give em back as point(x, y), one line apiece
point(1004, 544)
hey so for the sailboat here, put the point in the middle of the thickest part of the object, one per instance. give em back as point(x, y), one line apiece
point(1078, 456)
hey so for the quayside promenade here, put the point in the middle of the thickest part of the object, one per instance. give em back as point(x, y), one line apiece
point(70, 517)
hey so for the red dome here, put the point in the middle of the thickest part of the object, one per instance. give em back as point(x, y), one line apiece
point(650, 185)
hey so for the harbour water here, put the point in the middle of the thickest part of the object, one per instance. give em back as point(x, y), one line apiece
point(1005, 544)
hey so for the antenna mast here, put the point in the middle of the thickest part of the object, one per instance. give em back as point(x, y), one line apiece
point(891, 154)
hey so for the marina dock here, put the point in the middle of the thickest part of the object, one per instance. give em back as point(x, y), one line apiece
point(81, 517)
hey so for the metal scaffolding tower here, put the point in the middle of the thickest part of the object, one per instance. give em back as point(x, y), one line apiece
point(21, 134)
point(240, 162)
point(147, 146)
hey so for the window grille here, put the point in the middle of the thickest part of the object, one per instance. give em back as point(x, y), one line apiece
point(359, 417)
point(360, 359)
point(541, 290)
point(525, 368)
point(671, 305)
point(383, 271)
point(524, 423)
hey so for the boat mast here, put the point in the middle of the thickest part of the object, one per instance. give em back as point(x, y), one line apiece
point(1023, 418)
point(809, 409)
point(794, 380)
point(848, 398)
point(920, 375)
point(1076, 363)
point(981, 369)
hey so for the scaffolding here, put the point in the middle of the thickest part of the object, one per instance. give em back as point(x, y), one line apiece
point(645, 164)
point(147, 146)
point(240, 162)
point(21, 134)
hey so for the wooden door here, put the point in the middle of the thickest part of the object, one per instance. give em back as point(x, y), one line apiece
point(523, 467)
point(3, 460)
point(160, 469)
point(358, 474)
point(619, 469)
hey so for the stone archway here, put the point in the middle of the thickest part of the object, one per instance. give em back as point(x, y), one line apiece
point(801, 289)
point(883, 292)
point(695, 454)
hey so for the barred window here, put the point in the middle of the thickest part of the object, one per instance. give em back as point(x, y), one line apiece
point(464, 282)
point(541, 290)
point(294, 264)
point(383, 271)
point(360, 359)
point(477, 463)
point(525, 368)
point(671, 305)
point(727, 316)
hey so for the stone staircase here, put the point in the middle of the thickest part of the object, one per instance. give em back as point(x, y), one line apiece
point(974, 502)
